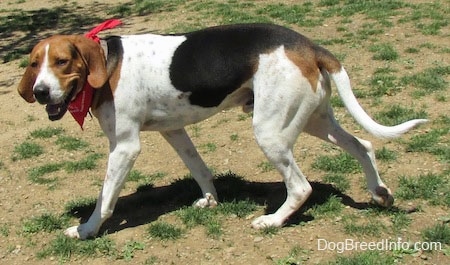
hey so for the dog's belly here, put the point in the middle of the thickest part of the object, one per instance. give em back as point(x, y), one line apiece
point(175, 110)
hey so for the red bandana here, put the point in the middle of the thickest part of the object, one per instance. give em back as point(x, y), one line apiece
point(79, 107)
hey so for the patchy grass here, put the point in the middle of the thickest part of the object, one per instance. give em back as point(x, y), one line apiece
point(70, 143)
point(64, 248)
point(341, 163)
point(437, 233)
point(332, 207)
point(434, 188)
point(384, 52)
point(428, 81)
point(364, 258)
point(396, 114)
point(432, 142)
point(37, 175)
point(164, 231)
point(88, 163)
point(44, 223)
point(45, 133)
point(128, 251)
point(266, 166)
point(339, 181)
point(27, 150)
point(385, 155)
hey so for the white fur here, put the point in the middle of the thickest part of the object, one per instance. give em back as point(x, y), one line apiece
point(47, 78)
point(344, 89)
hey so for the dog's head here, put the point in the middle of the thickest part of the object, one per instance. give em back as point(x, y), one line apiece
point(58, 69)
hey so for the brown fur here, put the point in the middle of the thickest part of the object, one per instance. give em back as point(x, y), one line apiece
point(70, 58)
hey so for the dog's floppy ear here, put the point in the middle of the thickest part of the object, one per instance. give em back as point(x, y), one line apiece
point(25, 87)
point(94, 57)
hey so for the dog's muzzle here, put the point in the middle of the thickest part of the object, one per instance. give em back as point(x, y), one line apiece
point(54, 110)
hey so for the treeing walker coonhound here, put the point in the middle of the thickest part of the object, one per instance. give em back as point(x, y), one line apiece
point(164, 82)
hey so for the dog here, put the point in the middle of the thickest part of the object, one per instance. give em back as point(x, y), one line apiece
point(162, 83)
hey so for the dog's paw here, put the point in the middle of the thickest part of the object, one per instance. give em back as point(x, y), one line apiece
point(72, 232)
point(208, 202)
point(383, 197)
point(270, 220)
point(79, 232)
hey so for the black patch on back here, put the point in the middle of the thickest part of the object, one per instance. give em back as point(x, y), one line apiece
point(214, 62)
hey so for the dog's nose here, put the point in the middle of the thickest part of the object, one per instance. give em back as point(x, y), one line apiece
point(42, 93)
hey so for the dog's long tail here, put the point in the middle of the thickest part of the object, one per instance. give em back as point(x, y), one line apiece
point(342, 81)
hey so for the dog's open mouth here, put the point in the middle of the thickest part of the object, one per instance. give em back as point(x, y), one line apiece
point(57, 111)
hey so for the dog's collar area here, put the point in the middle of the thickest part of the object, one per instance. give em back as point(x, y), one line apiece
point(80, 106)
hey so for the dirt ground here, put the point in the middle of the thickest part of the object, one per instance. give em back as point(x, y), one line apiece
point(21, 199)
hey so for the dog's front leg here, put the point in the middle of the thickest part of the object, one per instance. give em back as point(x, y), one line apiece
point(121, 160)
point(184, 147)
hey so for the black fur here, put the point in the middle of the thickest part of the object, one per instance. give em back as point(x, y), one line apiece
point(115, 52)
point(214, 62)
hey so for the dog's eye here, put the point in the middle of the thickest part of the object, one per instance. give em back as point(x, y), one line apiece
point(61, 62)
point(33, 64)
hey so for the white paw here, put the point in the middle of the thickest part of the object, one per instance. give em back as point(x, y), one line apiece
point(72, 232)
point(265, 221)
point(209, 201)
point(80, 232)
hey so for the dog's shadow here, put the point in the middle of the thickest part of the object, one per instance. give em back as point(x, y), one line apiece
point(148, 202)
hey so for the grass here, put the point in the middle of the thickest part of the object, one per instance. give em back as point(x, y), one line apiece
point(88, 163)
point(364, 258)
point(70, 143)
point(437, 233)
point(73, 206)
point(144, 179)
point(341, 163)
point(164, 231)
point(384, 82)
point(45, 133)
point(301, 15)
point(36, 175)
point(434, 188)
point(44, 223)
point(64, 248)
point(428, 81)
point(396, 114)
point(296, 255)
point(266, 166)
point(432, 142)
point(385, 155)
point(129, 250)
point(211, 219)
point(384, 52)
point(332, 207)
point(27, 150)
point(339, 181)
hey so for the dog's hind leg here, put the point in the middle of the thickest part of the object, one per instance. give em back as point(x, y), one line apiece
point(323, 125)
point(283, 102)
point(184, 147)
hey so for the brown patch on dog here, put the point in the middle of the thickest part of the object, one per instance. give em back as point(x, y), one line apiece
point(327, 60)
point(306, 62)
